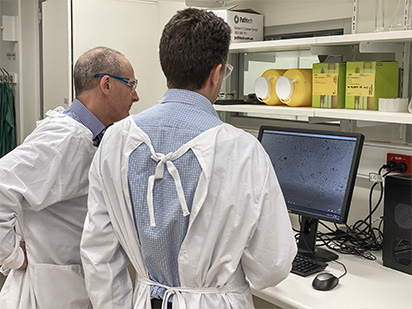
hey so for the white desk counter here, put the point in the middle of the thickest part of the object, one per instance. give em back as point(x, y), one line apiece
point(368, 284)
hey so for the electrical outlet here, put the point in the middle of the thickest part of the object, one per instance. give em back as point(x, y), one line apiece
point(400, 158)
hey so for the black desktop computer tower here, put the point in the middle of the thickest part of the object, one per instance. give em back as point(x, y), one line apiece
point(397, 225)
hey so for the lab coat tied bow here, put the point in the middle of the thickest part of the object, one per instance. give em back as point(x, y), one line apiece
point(162, 160)
point(238, 231)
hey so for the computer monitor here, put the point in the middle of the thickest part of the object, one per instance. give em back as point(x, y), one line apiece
point(316, 170)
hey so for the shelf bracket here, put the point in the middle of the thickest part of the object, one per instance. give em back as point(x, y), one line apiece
point(382, 47)
point(316, 120)
point(259, 57)
point(332, 50)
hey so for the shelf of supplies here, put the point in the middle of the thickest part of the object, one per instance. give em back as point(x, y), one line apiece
point(333, 114)
point(336, 40)
point(365, 115)
point(403, 36)
point(266, 109)
point(276, 45)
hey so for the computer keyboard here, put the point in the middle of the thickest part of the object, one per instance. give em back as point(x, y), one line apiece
point(305, 266)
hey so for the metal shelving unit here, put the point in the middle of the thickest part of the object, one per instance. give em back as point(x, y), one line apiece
point(332, 114)
point(396, 42)
point(404, 36)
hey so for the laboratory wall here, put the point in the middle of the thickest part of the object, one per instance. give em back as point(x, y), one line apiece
point(29, 77)
point(56, 25)
point(132, 27)
point(288, 12)
point(285, 12)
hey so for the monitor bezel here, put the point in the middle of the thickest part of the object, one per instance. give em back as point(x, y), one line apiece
point(355, 160)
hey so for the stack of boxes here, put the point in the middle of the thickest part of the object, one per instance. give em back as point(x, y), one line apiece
point(354, 85)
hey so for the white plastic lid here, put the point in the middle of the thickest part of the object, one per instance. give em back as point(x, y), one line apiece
point(262, 87)
point(284, 88)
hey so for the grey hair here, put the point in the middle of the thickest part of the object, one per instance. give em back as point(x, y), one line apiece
point(99, 60)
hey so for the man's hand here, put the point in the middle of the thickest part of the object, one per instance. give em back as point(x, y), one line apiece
point(23, 246)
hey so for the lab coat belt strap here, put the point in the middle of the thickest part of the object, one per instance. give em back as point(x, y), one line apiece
point(162, 160)
point(176, 291)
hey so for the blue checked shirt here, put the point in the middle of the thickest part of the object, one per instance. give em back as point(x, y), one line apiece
point(177, 119)
point(80, 113)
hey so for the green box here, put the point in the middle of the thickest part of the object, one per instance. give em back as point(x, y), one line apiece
point(328, 85)
point(367, 81)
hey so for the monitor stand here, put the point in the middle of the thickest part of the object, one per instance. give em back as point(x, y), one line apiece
point(307, 241)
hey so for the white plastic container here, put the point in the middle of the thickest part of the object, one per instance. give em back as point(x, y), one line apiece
point(399, 105)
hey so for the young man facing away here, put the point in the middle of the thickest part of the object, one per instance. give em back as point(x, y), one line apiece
point(193, 203)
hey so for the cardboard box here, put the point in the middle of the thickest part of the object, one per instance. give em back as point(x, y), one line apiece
point(246, 24)
point(368, 81)
point(328, 85)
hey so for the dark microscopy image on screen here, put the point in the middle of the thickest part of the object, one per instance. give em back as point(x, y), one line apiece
point(312, 171)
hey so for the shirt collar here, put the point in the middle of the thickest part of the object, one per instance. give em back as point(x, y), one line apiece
point(86, 117)
point(189, 97)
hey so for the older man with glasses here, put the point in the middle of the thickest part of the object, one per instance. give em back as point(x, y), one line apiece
point(44, 186)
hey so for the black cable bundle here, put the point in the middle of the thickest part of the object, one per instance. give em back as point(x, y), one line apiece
point(360, 238)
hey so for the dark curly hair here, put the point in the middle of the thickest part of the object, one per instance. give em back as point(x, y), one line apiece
point(193, 42)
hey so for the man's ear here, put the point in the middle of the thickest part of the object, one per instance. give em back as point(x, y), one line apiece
point(105, 85)
point(215, 75)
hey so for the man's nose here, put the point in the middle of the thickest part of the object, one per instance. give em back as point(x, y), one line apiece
point(135, 96)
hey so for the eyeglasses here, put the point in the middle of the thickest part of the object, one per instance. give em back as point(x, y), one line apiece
point(132, 83)
point(228, 70)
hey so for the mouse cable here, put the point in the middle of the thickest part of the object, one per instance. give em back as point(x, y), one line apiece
point(344, 268)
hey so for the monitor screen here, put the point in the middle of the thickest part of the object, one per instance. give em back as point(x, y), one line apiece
point(316, 171)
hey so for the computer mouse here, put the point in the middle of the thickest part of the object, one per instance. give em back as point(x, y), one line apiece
point(325, 282)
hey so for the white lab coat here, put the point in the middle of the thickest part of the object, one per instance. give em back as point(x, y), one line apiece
point(43, 196)
point(238, 224)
